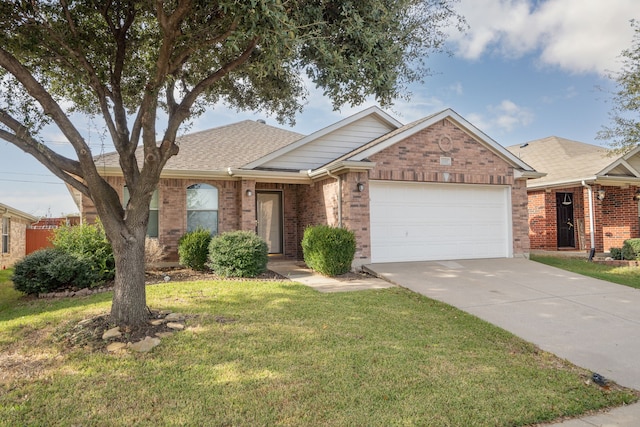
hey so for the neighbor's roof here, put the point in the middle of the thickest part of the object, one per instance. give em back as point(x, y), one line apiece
point(8, 210)
point(230, 146)
point(565, 161)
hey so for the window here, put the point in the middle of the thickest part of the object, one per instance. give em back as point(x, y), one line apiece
point(6, 225)
point(152, 226)
point(202, 207)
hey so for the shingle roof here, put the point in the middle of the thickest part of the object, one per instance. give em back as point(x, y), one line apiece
point(562, 159)
point(233, 145)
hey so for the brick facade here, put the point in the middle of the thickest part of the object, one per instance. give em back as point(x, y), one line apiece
point(615, 217)
point(421, 157)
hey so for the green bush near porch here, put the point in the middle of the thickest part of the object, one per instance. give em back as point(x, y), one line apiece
point(238, 254)
point(193, 249)
point(328, 250)
point(631, 249)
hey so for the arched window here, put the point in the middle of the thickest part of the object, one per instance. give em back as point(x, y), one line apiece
point(202, 207)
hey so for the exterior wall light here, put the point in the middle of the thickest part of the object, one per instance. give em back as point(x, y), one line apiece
point(249, 192)
point(601, 194)
point(360, 187)
point(636, 196)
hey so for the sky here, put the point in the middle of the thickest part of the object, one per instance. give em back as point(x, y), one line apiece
point(524, 70)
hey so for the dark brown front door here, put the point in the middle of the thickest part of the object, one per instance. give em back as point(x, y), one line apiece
point(269, 218)
point(566, 229)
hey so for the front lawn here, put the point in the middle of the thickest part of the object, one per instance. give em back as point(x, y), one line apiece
point(279, 353)
point(629, 276)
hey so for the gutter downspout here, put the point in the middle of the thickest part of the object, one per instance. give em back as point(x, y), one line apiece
point(339, 179)
point(591, 221)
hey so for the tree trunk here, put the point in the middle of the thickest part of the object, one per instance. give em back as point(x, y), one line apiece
point(129, 306)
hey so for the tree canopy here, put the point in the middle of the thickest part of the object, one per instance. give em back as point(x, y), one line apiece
point(127, 61)
point(623, 133)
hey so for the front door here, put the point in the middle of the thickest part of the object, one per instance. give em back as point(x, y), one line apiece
point(566, 229)
point(269, 221)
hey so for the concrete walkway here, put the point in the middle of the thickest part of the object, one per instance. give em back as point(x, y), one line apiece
point(592, 323)
point(297, 271)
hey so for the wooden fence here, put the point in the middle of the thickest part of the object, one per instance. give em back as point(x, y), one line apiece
point(38, 238)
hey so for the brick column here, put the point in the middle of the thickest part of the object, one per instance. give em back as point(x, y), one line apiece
point(247, 205)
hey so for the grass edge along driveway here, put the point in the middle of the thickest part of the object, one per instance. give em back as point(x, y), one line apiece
point(285, 355)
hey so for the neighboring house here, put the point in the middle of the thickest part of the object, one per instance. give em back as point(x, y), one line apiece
point(434, 189)
point(13, 234)
point(588, 198)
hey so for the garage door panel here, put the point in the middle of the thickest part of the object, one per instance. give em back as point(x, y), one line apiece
point(414, 222)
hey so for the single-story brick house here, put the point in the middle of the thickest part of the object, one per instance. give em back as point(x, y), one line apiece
point(587, 199)
point(434, 189)
point(13, 238)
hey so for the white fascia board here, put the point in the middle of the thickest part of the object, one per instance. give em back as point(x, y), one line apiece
point(229, 174)
point(446, 114)
point(617, 181)
point(520, 174)
point(322, 132)
point(340, 167)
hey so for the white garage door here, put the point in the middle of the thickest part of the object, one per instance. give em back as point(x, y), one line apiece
point(423, 222)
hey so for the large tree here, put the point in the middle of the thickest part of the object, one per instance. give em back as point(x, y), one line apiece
point(125, 60)
point(623, 133)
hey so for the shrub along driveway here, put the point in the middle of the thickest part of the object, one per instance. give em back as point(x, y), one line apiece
point(592, 323)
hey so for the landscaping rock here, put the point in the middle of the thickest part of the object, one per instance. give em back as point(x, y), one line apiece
point(156, 322)
point(145, 345)
point(175, 326)
point(174, 317)
point(116, 346)
point(112, 333)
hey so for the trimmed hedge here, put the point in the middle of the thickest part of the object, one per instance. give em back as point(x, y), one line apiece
point(50, 269)
point(328, 250)
point(193, 249)
point(238, 254)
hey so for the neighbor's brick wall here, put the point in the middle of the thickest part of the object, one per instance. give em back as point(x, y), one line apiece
point(615, 217)
point(619, 217)
point(17, 241)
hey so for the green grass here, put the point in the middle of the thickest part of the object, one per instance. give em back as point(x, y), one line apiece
point(629, 276)
point(287, 356)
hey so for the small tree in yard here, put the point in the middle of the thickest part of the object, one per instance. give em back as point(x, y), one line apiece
point(127, 60)
point(623, 133)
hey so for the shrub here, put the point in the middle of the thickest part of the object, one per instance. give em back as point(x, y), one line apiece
point(238, 254)
point(50, 269)
point(193, 249)
point(616, 253)
point(153, 251)
point(328, 250)
point(631, 249)
point(88, 243)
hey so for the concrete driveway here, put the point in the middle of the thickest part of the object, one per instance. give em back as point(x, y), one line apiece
point(592, 323)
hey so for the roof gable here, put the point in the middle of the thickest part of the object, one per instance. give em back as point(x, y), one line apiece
point(406, 131)
point(330, 143)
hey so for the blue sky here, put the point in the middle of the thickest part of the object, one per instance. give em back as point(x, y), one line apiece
point(524, 70)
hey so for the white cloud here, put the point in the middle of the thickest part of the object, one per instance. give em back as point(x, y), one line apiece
point(501, 118)
point(576, 35)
